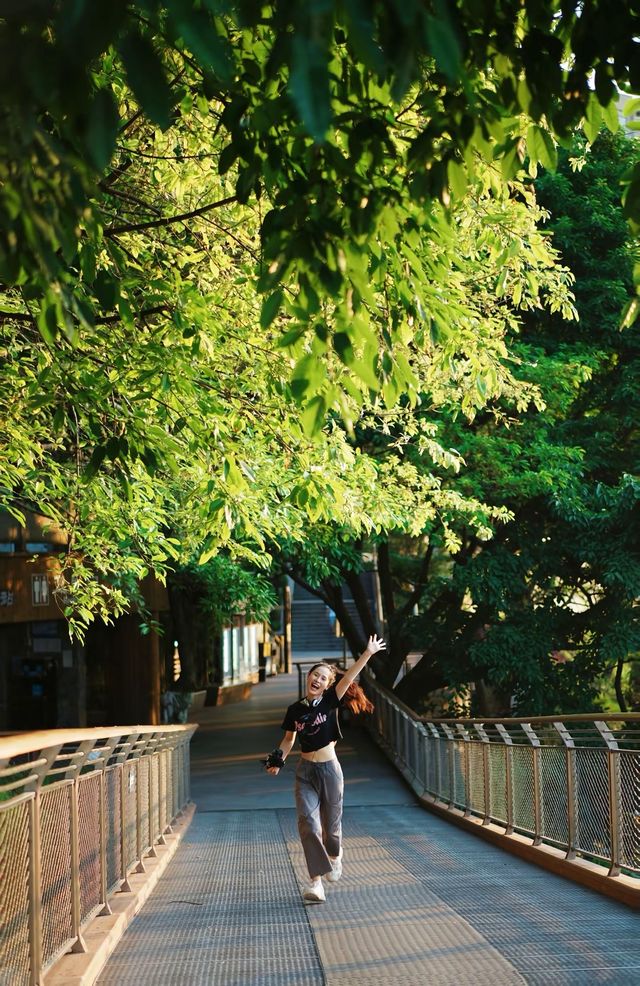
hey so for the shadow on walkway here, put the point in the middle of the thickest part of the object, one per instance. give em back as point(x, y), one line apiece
point(420, 902)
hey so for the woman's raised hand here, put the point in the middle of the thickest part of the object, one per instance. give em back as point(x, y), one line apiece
point(375, 644)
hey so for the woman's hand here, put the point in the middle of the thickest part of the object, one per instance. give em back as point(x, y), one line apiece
point(374, 644)
point(272, 770)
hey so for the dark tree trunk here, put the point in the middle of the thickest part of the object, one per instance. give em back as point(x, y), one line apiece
point(618, 685)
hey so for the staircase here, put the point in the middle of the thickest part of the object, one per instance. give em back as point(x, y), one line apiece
point(313, 624)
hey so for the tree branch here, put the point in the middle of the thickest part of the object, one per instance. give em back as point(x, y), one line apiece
point(168, 220)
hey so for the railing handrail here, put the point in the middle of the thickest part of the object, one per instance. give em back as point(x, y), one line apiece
point(21, 744)
point(80, 811)
point(569, 785)
point(505, 720)
point(559, 717)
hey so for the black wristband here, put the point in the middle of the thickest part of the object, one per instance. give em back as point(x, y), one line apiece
point(275, 759)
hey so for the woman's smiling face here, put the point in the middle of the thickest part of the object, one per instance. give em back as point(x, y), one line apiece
point(318, 680)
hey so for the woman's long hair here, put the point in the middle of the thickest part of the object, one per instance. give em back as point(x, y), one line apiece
point(354, 697)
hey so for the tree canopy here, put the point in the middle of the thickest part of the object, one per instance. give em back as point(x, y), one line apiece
point(241, 244)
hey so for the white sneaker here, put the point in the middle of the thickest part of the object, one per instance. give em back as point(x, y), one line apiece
point(314, 892)
point(336, 869)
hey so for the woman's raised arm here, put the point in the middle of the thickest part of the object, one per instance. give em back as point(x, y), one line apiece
point(374, 645)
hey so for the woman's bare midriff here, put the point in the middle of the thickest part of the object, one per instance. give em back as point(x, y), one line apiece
point(323, 755)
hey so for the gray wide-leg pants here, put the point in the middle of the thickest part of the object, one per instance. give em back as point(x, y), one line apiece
point(319, 790)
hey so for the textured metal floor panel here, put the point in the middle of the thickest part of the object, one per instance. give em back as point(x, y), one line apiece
point(549, 929)
point(382, 924)
point(421, 903)
point(226, 913)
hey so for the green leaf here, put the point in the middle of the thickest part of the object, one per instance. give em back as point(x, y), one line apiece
point(309, 85)
point(200, 34)
point(444, 44)
point(102, 128)
point(630, 313)
point(541, 147)
point(145, 75)
point(610, 116)
point(313, 416)
point(593, 119)
point(94, 463)
point(308, 375)
point(270, 308)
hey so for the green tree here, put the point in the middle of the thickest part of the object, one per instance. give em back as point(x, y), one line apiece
point(548, 608)
point(183, 419)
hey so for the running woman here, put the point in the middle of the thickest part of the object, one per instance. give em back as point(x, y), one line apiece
point(319, 782)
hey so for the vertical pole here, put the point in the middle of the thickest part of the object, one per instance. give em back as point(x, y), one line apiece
point(106, 909)
point(615, 816)
point(286, 620)
point(76, 907)
point(537, 787)
point(436, 745)
point(486, 770)
point(450, 763)
point(572, 805)
point(467, 767)
point(35, 892)
point(125, 886)
point(140, 865)
point(151, 814)
point(508, 766)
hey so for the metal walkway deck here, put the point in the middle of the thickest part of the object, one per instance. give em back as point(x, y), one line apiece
point(420, 903)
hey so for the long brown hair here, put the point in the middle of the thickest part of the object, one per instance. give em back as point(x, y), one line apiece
point(354, 697)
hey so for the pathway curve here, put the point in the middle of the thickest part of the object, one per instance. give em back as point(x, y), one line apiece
point(421, 903)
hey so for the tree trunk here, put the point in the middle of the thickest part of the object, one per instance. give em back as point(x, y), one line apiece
point(618, 685)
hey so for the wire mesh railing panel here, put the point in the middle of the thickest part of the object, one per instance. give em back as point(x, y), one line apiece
point(592, 803)
point(15, 847)
point(130, 808)
point(459, 773)
point(113, 823)
point(630, 809)
point(498, 782)
point(476, 778)
point(523, 789)
point(55, 868)
point(89, 790)
point(143, 804)
point(553, 764)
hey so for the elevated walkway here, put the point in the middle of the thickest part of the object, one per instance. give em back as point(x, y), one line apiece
point(421, 903)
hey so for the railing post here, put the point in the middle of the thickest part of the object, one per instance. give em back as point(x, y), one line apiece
point(508, 766)
point(106, 909)
point(484, 739)
point(436, 741)
point(451, 763)
point(76, 910)
point(140, 867)
point(35, 892)
point(537, 789)
point(151, 810)
point(572, 811)
point(467, 768)
point(615, 817)
point(125, 886)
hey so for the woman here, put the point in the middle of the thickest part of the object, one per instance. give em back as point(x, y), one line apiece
point(319, 782)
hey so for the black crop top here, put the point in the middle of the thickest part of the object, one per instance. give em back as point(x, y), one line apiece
point(315, 725)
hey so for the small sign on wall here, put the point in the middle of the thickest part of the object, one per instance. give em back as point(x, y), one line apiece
point(40, 590)
point(6, 597)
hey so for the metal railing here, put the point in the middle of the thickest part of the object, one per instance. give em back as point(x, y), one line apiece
point(79, 811)
point(572, 784)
